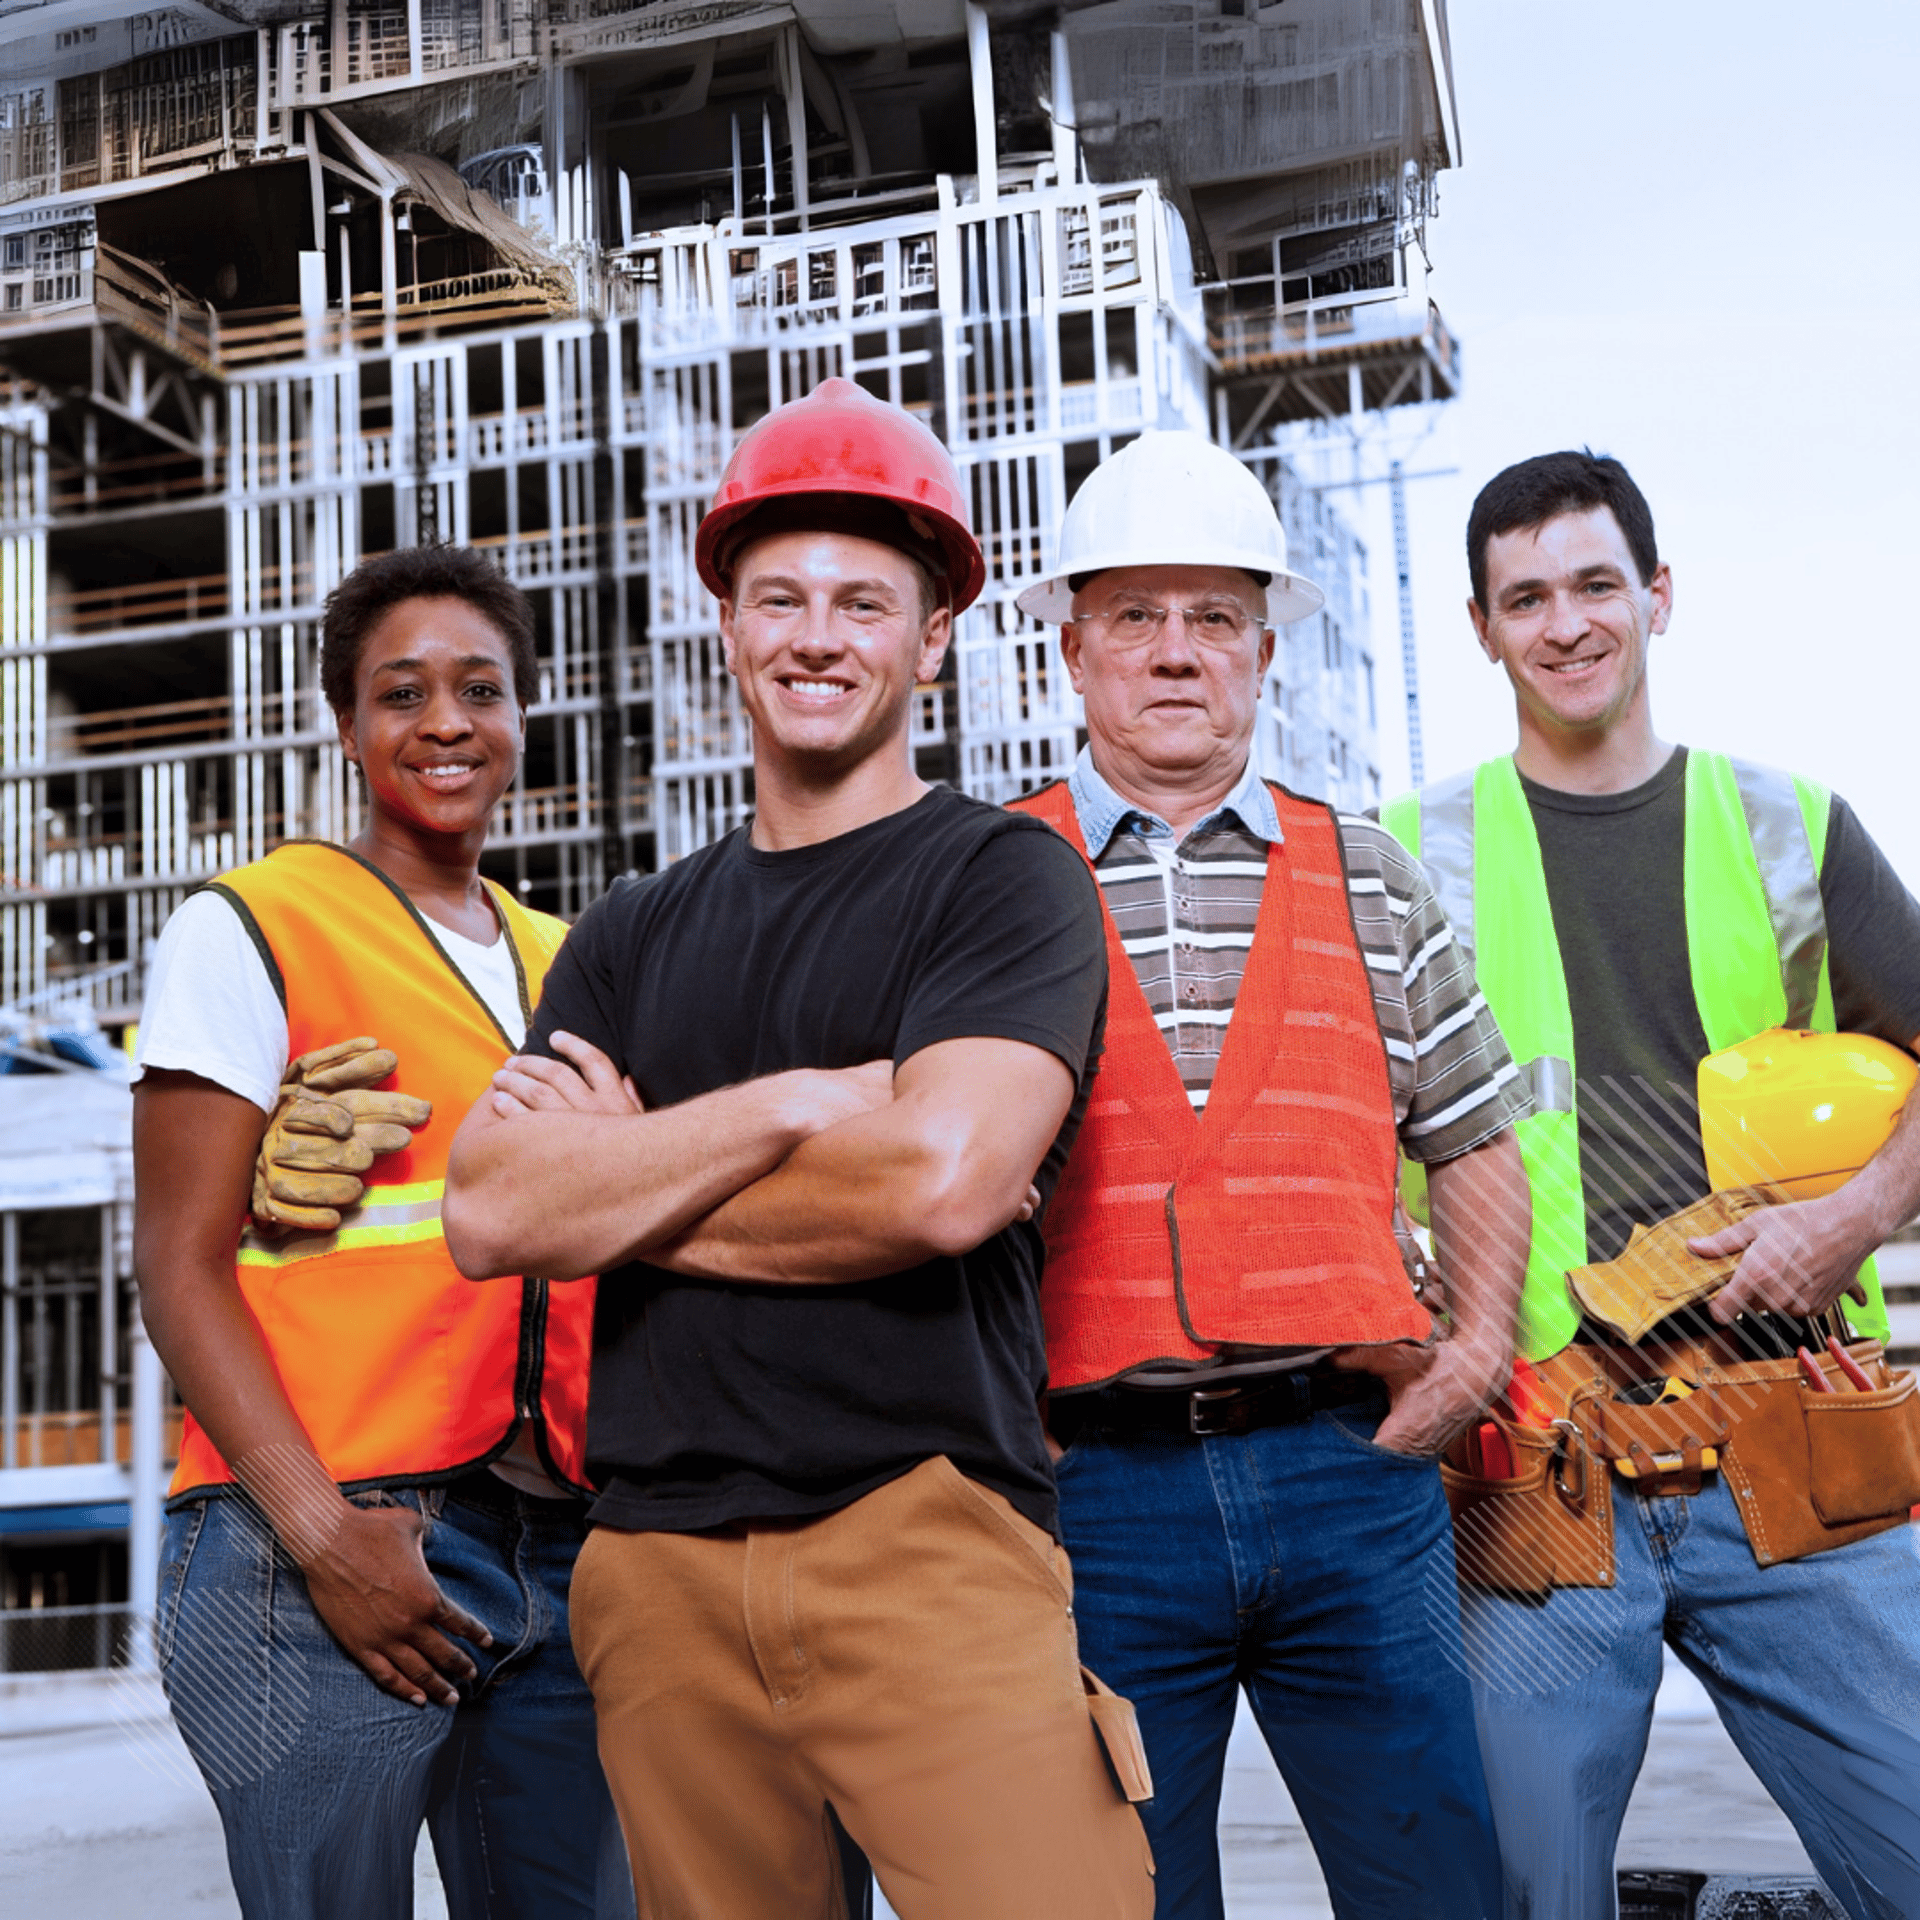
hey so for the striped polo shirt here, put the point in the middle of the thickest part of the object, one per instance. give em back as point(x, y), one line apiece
point(1186, 911)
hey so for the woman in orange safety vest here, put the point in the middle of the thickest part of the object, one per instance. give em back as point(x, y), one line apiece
point(362, 1615)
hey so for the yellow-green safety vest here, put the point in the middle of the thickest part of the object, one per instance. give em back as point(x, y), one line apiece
point(1756, 941)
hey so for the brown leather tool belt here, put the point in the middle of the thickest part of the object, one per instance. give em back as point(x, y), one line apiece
point(1808, 1470)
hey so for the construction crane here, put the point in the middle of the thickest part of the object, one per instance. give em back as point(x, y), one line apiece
point(1409, 653)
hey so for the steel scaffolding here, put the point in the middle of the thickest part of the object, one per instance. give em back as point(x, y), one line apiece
point(274, 300)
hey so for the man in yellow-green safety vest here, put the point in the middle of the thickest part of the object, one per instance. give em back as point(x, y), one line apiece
point(1632, 907)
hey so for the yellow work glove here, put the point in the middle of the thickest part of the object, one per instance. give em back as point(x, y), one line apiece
point(327, 1126)
point(1656, 1273)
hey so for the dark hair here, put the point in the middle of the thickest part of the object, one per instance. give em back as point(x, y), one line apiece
point(1543, 488)
point(375, 587)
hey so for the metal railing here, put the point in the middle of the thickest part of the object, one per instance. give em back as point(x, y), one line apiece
point(163, 478)
point(62, 1326)
point(127, 290)
point(88, 985)
point(154, 603)
point(539, 813)
point(86, 1418)
point(529, 557)
point(259, 335)
point(171, 722)
point(321, 59)
point(1272, 335)
point(76, 1438)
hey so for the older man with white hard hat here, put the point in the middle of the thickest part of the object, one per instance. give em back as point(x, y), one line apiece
point(1249, 1390)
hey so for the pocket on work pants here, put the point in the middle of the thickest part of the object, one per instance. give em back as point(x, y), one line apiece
point(1039, 1557)
point(1118, 1726)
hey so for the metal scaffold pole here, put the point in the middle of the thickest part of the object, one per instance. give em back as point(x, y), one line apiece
point(1409, 658)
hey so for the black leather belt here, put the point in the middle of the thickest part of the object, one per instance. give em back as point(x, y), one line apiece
point(1278, 1400)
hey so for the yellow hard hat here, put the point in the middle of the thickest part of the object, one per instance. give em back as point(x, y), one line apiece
point(1803, 1111)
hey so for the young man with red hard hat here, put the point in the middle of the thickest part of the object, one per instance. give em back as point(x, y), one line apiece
point(1713, 977)
point(1228, 1311)
point(857, 1032)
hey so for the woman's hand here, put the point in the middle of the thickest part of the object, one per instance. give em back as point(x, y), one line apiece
point(193, 1153)
point(370, 1584)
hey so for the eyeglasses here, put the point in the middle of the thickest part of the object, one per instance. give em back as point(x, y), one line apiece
point(1222, 624)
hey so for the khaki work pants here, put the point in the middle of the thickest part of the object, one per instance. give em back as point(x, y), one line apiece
point(910, 1659)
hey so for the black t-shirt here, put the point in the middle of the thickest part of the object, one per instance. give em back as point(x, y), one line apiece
point(719, 1401)
point(1615, 866)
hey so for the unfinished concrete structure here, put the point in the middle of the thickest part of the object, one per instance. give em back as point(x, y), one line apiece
point(287, 282)
point(284, 283)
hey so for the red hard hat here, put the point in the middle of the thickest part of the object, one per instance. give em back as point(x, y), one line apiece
point(840, 440)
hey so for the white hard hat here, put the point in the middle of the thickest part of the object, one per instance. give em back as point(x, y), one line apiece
point(1173, 500)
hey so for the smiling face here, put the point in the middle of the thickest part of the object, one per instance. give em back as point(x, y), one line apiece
point(1169, 711)
point(1569, 618)
point(827, 635)
point(434, 726)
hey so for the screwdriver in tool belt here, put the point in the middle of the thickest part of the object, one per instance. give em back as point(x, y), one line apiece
point(1526, 1398)
point(1489, 1451)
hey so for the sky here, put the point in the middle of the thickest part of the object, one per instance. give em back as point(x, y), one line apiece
point(1679, 236)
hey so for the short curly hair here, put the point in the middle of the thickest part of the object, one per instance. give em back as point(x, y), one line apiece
point(356, 606)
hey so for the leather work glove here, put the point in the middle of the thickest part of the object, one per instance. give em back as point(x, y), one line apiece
point(1655, 1273)
point(327, 1126)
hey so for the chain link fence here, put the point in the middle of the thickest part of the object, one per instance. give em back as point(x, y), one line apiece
point(65, 1639)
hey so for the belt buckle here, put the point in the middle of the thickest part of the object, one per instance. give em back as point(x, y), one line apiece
point(1201, 1400)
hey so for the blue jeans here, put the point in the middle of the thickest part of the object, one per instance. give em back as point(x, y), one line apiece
point(1814, 1666)
point(1316, 1570)
point(322, 1780)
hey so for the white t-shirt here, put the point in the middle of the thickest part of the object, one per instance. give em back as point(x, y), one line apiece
point(212, 1009)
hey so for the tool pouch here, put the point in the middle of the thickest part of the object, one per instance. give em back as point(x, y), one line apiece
point(1119, 1729)
point(1550, 1526)
point(1668, 1445)
point(1811, 1470)
point(1863, 1451)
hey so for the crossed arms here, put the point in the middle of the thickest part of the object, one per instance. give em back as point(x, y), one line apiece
point(808, 1177)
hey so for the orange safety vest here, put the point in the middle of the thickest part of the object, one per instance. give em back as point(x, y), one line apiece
point(400, 1370)
point(1266, 1219)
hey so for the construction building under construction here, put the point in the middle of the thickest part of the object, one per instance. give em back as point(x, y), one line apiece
point(284, 283)
point(289, 282)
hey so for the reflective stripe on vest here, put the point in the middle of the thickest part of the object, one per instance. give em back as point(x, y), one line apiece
point(387, 1217)
point(399, 1368)
point(1756, 938)
point(1266, 1219)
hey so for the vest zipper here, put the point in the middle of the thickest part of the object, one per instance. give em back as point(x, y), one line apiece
point(533, 1345)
